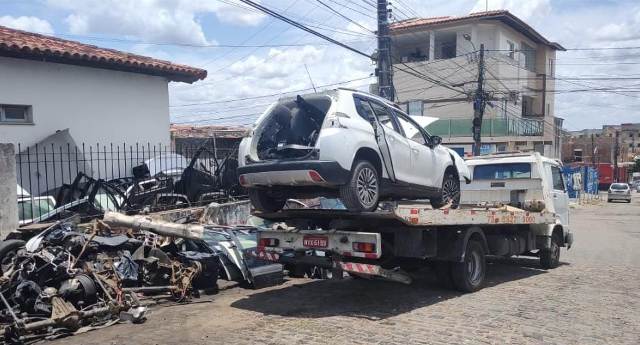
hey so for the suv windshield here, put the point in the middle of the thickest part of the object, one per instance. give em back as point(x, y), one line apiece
point(619, 186)
point(502, 171)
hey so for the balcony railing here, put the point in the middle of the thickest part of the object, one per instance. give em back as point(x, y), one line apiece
point(490, 128)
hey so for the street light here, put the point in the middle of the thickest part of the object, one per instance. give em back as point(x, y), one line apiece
point(468, 38)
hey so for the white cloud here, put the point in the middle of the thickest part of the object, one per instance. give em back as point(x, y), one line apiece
point(625, 30)
point(27, 23)
point(166, 20)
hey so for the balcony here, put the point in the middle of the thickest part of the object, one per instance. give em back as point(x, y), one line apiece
point(490, 128)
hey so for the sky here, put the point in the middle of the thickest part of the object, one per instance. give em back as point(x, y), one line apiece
point(277, 56)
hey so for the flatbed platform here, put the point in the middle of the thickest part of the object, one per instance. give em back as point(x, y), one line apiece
point(421, 215)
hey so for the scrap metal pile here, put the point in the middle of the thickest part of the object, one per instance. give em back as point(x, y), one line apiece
point(71, 279)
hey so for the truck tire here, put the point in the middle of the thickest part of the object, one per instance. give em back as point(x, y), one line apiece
point(263, 202)
point(468, 276)
point(362, 192)
point(550, 257)
point(450, 192)
point(8, 250)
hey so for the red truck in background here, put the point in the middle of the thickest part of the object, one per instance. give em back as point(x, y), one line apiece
point(606, 175)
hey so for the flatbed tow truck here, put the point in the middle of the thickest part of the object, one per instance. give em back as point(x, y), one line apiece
point(392, 243)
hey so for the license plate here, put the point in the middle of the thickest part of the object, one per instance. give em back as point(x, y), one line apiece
point(315, 241)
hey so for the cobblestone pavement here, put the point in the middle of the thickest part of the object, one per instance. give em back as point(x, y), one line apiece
point(593, 298)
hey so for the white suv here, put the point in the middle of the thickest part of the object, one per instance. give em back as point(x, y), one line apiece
point(350, 144)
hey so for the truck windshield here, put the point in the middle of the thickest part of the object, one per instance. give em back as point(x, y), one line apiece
point(502, 171)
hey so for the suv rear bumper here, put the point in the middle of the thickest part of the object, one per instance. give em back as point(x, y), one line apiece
point(293, 173)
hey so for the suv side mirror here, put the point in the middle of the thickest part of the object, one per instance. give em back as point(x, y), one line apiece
point(436, 140)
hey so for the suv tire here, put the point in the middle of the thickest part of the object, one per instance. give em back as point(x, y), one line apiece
point(450, 192)
point(362, 192)
point(468, 275)
point(263, 202)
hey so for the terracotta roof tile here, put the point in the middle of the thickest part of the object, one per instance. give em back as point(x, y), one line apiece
point(28, 45)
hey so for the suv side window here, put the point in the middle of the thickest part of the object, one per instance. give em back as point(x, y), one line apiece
point(363, 108)
point(556, 176)
point(411, 130)
point(384, 116)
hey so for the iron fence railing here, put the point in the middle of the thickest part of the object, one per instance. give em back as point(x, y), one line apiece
point(131, 177)
point(490, 127)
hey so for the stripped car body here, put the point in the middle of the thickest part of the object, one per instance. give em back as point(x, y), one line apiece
point(345, 143)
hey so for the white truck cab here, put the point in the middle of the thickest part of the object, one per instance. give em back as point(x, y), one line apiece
point(527, 181)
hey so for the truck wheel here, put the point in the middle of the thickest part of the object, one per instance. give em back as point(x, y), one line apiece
point(550, 257)
point(8, 251)
point(468, 276)
point(262, 201)
point(362, 192)
point(450, 192)
point(443, 273)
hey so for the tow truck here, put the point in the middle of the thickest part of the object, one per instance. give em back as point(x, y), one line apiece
point(514, 206)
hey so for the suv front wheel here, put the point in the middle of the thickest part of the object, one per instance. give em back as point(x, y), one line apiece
point(450, 192)
point(362, 192)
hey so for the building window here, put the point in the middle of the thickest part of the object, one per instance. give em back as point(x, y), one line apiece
point(512, 49)
point(445, 45)
point(15, 113)
point(414, 108)
point(529, 54)
point(577, 155)
point(551, 71)
point(527, 106)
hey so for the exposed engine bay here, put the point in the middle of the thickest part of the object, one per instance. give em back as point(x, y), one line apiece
point(292, 127)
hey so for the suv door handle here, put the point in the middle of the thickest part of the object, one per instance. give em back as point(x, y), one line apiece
point(415, 151)
point(390, 138)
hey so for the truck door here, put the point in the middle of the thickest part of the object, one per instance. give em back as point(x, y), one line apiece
point(559, 195)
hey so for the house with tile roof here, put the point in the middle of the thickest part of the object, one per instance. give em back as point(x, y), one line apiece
point(96, 95)
point(436, 71)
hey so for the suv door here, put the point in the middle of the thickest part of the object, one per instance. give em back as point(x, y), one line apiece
point(365, 111)
point(424, 161)
point(559, 195)
point(398, 145)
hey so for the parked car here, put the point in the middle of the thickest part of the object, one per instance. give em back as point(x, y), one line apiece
point(350, 144)
point(32, 207)
point(619, 191)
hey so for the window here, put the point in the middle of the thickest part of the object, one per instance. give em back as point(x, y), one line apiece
point(551, 71)
point(414, 108)
point(527, 106)
point(512, 49)
point(529, 54)
point(411, 130)
point(502, 171)
point(556, 176)
point(577, 155)
point(384, 116)
point(363, 108)
point(15, 113)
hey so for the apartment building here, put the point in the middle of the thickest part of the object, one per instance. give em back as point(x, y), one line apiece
point(436, 62)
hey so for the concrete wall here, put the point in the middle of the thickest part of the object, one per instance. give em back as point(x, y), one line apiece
point(8, 197)
point(97, 105)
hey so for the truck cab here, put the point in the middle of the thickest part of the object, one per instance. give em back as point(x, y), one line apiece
point(528, 181)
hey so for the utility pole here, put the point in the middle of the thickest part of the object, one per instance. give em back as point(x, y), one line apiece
point(616, 152)
point(479, 104)
point(384, 70)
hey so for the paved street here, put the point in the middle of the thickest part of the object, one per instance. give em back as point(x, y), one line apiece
point(593, 298)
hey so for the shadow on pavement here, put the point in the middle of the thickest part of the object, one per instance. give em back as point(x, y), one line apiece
point(373, 299)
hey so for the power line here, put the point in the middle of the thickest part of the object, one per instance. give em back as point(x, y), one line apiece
point(303, 27)
point(344, 17)
point(270, 95)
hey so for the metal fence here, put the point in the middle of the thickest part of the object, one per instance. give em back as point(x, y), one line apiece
point(120, 175)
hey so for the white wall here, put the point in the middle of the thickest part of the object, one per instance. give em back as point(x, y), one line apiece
point(97, 105)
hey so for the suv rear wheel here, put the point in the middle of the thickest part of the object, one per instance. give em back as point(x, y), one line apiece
point(362, 192)
point(450, 192)
point(262, 201)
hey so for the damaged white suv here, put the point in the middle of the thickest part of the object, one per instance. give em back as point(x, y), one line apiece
point(345, 143)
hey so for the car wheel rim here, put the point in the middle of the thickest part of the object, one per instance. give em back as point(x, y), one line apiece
point(450, 191)
point(367, 187)
point(474, 268)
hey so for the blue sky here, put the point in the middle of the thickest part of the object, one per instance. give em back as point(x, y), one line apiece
point(149, 27)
